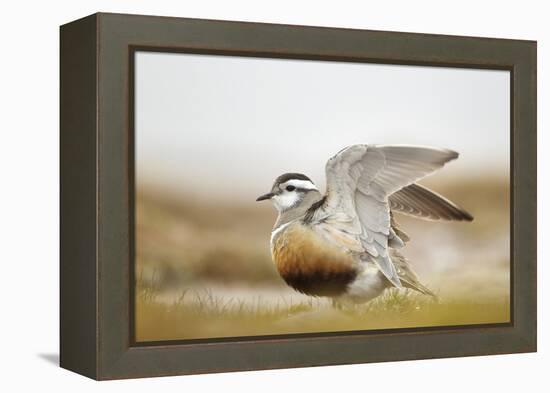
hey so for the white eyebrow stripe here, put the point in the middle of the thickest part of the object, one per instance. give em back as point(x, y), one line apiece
point(304, 184)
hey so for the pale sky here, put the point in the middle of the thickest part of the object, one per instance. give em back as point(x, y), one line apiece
point(207, 123)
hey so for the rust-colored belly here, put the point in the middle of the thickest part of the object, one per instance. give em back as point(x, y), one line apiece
point(310, 264)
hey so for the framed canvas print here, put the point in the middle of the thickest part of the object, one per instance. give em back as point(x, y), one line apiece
point(240, 196)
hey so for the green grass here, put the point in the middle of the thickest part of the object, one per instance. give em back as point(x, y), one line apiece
point(203, 315)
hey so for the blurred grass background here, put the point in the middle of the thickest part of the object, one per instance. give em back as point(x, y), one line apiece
point(203, 269)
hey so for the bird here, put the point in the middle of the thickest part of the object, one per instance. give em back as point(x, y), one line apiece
point(345, 244)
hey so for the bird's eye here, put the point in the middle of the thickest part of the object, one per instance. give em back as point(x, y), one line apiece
point(290, 188)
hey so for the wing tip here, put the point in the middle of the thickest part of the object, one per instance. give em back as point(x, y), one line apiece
point(466, 216)
point(453, 154)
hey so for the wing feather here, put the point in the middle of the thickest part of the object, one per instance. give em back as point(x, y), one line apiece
point(360, 179)
point(418, 201)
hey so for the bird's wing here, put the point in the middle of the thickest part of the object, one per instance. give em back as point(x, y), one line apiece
point(360, 179)
point(417, 201)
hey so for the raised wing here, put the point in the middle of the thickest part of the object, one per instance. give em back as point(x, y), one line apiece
point(417, 201)
point(360, 179)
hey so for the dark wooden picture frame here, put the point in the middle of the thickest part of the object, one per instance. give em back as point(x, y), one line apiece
point(97, 195)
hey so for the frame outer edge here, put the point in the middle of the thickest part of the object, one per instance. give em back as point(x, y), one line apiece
point(526, 192)
point(78, 197)
point(117, 358)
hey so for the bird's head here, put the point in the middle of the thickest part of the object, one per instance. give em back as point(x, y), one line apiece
point(289, 190)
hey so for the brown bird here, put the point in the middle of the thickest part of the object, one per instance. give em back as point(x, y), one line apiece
point(344, 244)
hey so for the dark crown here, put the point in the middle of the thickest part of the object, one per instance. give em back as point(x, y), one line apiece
point(291, 176)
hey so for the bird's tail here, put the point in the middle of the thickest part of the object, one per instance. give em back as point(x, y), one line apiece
point(408, 277)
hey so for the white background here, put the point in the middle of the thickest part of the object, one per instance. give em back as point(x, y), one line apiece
point(29, 198)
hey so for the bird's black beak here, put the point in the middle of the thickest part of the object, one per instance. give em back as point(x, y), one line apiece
point(269, 195)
